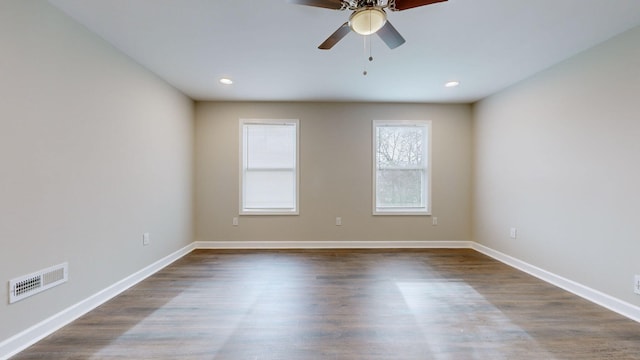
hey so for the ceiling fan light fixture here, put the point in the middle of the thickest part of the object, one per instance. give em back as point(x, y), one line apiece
point(368, 20)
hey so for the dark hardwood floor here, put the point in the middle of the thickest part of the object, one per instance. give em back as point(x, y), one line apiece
point(343, 304)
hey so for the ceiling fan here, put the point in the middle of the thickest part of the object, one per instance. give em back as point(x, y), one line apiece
point(368, 17)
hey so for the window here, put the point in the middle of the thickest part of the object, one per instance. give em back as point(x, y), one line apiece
point(401, 179)
point(269, 174)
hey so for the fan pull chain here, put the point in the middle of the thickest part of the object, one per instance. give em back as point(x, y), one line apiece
point(367, 40)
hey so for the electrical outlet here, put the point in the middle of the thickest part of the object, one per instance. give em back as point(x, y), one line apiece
point(146, 239)
point(513, 233)
point(235, 221)
point(338, 221)
point(636, 284)
point(434, 221)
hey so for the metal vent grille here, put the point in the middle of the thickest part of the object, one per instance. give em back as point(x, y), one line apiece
point(27, 285)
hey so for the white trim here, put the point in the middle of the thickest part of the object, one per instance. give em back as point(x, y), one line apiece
point(597, 297)
point(265, 245)
point(37, 332)
point(30, 336)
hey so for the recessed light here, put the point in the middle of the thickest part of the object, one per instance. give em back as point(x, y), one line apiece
point(452, 84)
point(226, 81)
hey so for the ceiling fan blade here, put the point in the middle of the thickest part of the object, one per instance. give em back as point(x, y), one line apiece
point(327, 4)
point(408, 4)
point(390, 36)
point(335, 37)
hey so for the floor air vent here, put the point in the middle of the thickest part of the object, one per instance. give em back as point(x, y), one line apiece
point(25, 286)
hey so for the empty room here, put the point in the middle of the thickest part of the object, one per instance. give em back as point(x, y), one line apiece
point(319, 179)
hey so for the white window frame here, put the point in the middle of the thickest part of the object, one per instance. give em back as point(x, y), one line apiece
point(269, 211)
point(426, 191)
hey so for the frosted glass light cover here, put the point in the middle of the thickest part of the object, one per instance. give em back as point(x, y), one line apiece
point(367, 21)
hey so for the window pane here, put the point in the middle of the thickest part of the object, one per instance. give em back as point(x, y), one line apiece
point(400, 189)
point(270, 146)
point(400, 146)
point(269, 190)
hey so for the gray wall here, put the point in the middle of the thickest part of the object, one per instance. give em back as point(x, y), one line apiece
point(335, 173)
point(557, 157)
point(94, 151)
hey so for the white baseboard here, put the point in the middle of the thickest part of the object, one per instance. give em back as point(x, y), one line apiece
point(265, 245)
point(26, 338)
point(37, 332)
point(616, 305)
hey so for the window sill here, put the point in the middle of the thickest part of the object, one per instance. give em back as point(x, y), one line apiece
point(269, 212)
point(401, 213)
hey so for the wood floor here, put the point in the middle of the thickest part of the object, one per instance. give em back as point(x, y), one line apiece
point(343, 304)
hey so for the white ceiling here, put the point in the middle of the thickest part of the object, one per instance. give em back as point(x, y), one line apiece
point(269, 47)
